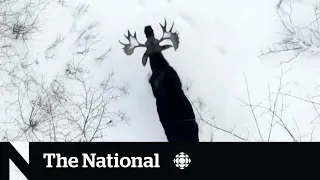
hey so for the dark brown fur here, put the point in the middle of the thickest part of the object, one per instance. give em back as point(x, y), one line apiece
point(174, 109)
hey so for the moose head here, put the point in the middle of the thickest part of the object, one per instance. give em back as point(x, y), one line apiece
point(152, 44)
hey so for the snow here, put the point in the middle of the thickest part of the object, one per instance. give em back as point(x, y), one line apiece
point(220, 45)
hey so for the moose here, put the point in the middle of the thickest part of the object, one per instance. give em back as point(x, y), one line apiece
point(174, 109)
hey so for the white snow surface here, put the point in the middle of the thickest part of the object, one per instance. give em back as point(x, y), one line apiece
point(220, 45)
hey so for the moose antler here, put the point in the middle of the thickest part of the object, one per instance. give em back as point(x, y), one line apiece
point(151, 41)
point(129, 48)
point(173, 36)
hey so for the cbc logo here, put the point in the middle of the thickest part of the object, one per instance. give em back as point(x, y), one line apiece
point(182, 160)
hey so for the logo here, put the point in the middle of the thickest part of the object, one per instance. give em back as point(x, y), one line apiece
point(182, 160)
point(8, 152)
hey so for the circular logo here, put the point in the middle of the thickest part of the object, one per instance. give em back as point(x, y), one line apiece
point(182, 160)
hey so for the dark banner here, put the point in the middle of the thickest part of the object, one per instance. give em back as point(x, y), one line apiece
point(61, 161)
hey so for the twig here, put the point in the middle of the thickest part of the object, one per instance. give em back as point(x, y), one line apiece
point(250, 105)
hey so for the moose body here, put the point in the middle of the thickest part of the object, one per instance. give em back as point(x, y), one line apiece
point(174, 109)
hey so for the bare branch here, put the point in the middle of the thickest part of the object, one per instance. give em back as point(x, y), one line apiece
point(199, 107)
point(295, 38)
point(252, 110)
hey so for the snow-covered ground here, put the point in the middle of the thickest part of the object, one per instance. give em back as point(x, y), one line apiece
point(221, 41)
point(220, 45)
